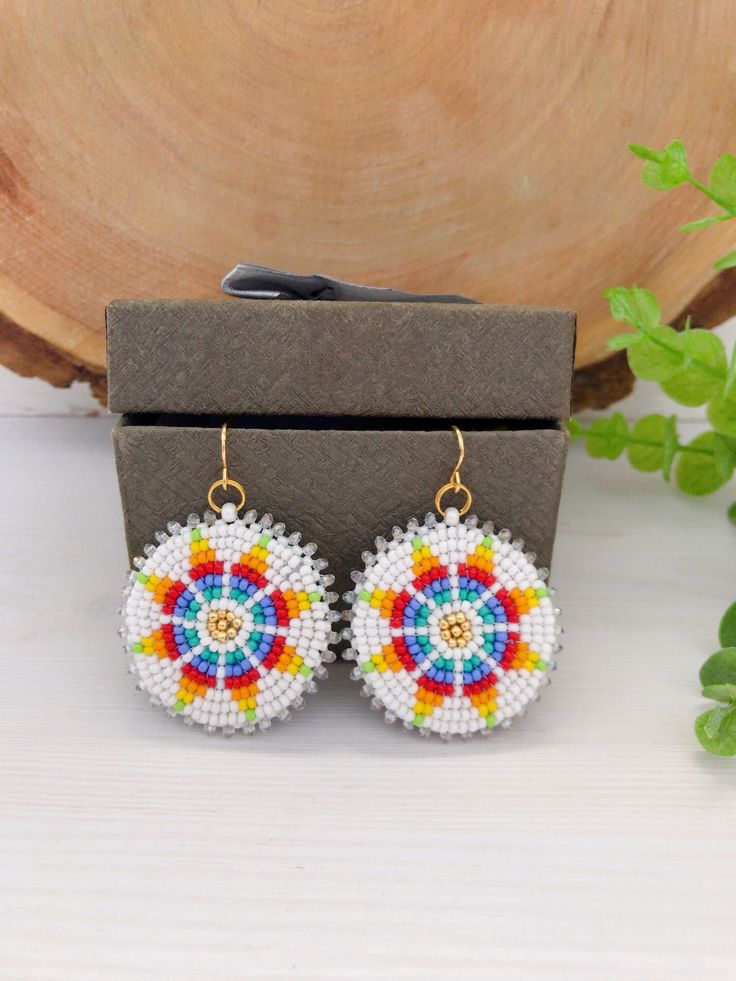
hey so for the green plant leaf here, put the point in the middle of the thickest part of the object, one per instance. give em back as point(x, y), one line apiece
point(644, 152)
point(693, 226)
point(633, 305)
point(720, 668)
point(694, 384)
point(668, 170)
point(729, 389)
point(575, 429)
point(727, 628)
point(716, 730)
point(722, 415)
point(707, 467)
point(727, 262)
point(647, 454)
point(607, 438)
point(721, 693)
point(621, 341)
point(722, 182)
point(732, 514)
point(724, 455)
point(658, 356)
point(671, 446)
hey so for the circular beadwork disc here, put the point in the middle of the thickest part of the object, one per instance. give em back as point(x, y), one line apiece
point(453, 629)
point(227, 622)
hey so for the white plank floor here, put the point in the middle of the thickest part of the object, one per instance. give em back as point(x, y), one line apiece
point(592, 840)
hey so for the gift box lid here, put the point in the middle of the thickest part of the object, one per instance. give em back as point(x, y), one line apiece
point(302, 358)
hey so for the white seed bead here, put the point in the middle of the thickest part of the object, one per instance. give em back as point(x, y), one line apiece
point(229, 512)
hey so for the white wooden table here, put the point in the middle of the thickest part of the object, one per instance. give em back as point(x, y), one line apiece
point(592, 840)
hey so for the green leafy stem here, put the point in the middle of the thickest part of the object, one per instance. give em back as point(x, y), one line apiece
point(668, 168)
point(700, 466)
point(716, 728)
point(692, 368)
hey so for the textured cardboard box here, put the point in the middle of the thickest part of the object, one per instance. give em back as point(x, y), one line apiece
point(287, 357)
point(358, 434)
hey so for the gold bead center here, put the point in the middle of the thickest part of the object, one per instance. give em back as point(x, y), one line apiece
point(455, 630)
point(223, 625)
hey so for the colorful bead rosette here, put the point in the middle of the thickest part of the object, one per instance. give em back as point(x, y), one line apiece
point(228, 622)
point(452, 627)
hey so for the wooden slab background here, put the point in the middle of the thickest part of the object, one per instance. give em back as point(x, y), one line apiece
point(449, 145)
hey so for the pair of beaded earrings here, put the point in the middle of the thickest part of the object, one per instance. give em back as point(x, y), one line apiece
point(229, 623)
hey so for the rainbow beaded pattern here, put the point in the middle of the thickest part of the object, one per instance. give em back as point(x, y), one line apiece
point(452, 627)
point(228, 621)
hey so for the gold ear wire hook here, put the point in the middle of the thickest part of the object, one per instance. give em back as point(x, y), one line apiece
point(225, 481)
point(455, 477)
point(455, 483)
point(223, 453)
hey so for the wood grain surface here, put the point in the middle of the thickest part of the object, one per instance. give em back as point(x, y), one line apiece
point(476, 147)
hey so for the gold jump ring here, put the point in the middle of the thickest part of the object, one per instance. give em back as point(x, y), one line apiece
point(456, 488)
point(225, 484)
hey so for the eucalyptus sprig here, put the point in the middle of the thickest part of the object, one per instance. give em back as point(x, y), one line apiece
point(668, 168)
point(692, 368)
point(716, 728)
point(652, 443)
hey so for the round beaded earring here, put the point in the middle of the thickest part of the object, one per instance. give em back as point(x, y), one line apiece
point(452, 627)
point(227, 619)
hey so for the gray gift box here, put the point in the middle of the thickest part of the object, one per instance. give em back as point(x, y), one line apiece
point(340, 413)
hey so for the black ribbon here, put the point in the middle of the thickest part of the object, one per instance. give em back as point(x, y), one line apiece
point(253, 282)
